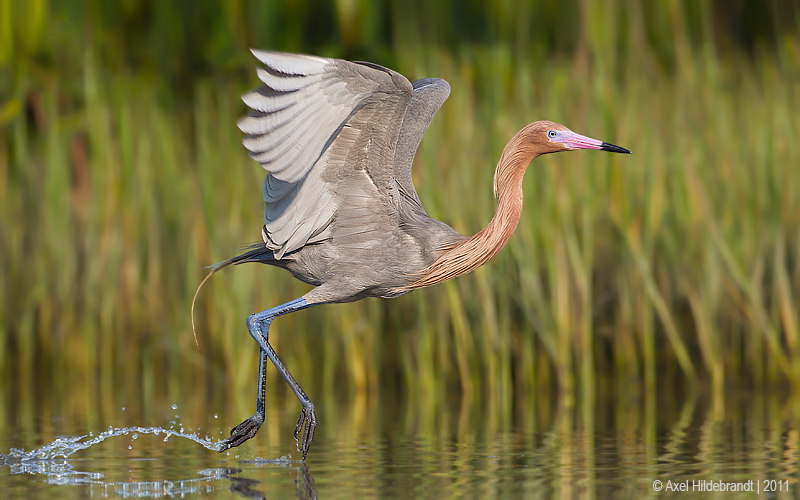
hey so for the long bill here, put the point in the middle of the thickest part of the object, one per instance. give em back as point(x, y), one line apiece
point(577, 141)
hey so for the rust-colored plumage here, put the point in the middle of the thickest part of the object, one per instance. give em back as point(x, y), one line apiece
point(341, 213)
point(472, 253)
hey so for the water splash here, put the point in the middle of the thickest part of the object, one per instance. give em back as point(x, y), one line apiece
point(65, 446)
point(51, 462)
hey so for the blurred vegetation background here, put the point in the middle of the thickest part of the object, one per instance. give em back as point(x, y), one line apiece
point(122, 176)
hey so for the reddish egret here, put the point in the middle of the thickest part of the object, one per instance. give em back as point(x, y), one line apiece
point(341, 213)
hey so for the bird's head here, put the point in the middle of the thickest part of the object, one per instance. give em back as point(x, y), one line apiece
point(551, 137)
point(536, 139)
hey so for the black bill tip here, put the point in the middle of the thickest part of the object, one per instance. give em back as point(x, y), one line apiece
point(613, 149)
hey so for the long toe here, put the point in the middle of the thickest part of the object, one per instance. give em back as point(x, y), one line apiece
point(306, 423)
point(300, 423)
point(243, 432)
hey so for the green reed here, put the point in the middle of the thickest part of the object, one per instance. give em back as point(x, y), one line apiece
point(677, 263)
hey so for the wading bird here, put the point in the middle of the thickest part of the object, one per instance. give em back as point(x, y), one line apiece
point(341, 213)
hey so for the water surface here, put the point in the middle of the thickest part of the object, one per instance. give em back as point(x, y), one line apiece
point(398, 449)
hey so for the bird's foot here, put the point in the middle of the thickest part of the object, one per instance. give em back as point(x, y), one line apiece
point(243, 432)
point(305, 425)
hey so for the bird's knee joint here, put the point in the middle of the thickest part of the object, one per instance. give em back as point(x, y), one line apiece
point(252, 321)
point(258, 324)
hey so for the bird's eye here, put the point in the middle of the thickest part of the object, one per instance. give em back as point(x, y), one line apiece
point(551, 133)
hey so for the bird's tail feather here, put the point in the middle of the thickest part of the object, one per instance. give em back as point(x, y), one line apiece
point(256, 252)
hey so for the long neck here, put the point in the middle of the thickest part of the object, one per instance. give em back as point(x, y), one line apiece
point(483, 246)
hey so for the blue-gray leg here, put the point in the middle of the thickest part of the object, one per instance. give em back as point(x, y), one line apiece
point(258, 324)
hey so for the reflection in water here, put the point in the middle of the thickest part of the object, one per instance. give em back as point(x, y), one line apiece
point(617, 446)
point(252, 488)
point(63, 473)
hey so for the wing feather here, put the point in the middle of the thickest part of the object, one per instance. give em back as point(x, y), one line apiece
point(286, 83)
point(429, 95)
point(292, 64)
point(258, 125)
point(294, 130)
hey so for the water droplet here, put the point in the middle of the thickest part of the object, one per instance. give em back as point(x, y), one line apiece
point(123, 408)
point(174, 406)
point(216, 416)
point(130, 447)
point(135, 435)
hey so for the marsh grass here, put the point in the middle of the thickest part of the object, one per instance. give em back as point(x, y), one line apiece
point(677, 265)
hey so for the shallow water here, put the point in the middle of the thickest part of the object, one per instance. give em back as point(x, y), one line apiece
point(620, 449)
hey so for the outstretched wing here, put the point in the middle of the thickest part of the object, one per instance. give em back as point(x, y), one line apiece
point(429, 95)
point(294, 130)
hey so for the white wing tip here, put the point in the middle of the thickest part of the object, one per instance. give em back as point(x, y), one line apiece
point(292, 64)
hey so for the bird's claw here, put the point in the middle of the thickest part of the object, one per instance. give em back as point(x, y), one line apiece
point(306, 423)
point(243, 432)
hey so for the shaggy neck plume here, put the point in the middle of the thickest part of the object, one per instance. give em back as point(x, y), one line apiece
point(475, 251)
